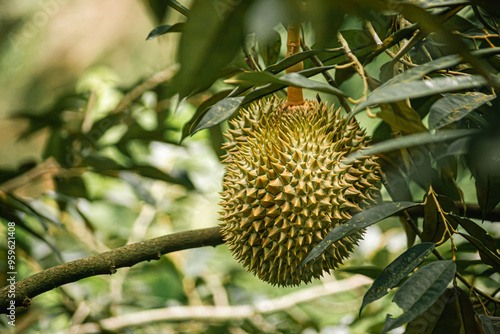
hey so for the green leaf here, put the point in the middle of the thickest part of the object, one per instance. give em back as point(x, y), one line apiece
point(250, 97)
point(453, 107)
point(219, 112)
point(291, 79)
point(178, 7)
point(396, 271)
point(201, 110)
point(357, 222)
point(488, 256)
point(451, 313)
point(416, 139)
point(368, 271)
point(160, 30)
point(212, 37)
point(439, 3)
point(434, 228)
point(413, 89)
point(476, 231)
point(420, 291)
point(491, 325)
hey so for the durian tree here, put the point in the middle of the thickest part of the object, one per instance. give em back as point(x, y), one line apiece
point(328, 117)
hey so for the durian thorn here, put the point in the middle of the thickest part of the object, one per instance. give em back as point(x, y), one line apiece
point(295, 96)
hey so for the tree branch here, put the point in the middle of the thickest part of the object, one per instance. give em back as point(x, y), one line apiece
point(126, 256)
point(106, 264)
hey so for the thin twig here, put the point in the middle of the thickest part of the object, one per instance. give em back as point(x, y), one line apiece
point(357, 66)
point(315, 59)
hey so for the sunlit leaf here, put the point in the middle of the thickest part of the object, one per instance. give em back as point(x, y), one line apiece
point(413, 89)
point(453, 107)
point(357, 222)
point(420, 292)
point(392, 275)
point(416, 139)
point(160, 30)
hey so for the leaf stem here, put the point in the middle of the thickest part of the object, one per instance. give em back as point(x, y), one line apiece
point(295, 96)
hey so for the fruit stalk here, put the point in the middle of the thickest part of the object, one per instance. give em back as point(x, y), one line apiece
point(295, 96)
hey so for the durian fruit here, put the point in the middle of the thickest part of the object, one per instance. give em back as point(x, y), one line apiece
point(286, 187)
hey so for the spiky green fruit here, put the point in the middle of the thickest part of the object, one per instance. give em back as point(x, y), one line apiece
point(286, 187)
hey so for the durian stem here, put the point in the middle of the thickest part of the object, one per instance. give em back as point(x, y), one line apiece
point(295, 96)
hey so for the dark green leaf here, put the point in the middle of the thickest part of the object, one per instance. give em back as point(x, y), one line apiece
point(409, 90)
point(488, 256)
point(483, 159)
point(211, 38)
point(453, 107)
point(291, 79)
point(250, 97)
point(160, 30)
point(396, 271)
point(178, 7)
point(219, 112)
point(439, 3)
point(368, 271)
point(200, 111)
point(357, 222)
point(476, 231)
point(420, 292)
point(491, 325)
point(434, 228)
point(409, 141)
point(175, 176)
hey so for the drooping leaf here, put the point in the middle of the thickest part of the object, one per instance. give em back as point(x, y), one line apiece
point(161, 30)
point(211, 39)
point(219, 112)
point(197, 117)
point(488, 256)
point(357, 222)
point(483, 160)
point(420, 292)
point(413, 89)
point(434, 227)
point(416, 139)
point(392, 275)
point(491, 325)
point(453, 107)
point(476, 231)
point(451, 313)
